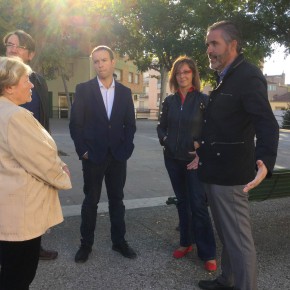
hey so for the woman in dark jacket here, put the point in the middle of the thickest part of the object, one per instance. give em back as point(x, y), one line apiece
point(178, 131)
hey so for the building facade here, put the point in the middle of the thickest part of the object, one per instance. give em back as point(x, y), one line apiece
point(82, 70)
point(152, 87)
point(278, 92)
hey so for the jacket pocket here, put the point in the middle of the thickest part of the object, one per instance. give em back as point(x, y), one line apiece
point(228, 152)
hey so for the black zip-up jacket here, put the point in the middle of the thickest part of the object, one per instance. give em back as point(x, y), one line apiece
point(238, 110)
point(181, 124)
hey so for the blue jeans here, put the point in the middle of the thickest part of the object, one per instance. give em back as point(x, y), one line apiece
point(114, 173)
point(188, 189)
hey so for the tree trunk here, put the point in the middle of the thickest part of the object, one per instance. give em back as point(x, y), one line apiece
point(164, 80)
point(67, 94)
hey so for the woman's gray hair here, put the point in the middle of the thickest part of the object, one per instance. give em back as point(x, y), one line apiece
point(11, 70)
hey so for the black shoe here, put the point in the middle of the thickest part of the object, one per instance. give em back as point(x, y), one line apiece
point(82, 254)
point(125, 250)
point(47, 254)
point(213, 285)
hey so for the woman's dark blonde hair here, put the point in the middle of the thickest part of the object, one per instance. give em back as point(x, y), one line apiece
point(11, 70)
point(175, 67)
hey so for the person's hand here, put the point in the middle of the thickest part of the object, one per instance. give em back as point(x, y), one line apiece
point(66, 170)
point(193, 165)
point(196, 145)
point(86, 156)
point(261, 174)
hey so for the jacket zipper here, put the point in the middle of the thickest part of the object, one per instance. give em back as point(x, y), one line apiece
point(177, 139)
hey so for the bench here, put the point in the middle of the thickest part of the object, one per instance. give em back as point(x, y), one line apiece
point(277, 186)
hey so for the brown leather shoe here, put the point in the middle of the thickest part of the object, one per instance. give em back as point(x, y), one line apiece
point(47, 254)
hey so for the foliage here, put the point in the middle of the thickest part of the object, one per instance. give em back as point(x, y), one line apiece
point(58, 29)
point(286, 119)
point(154, 33)
point(151, 32)
point(274, 18)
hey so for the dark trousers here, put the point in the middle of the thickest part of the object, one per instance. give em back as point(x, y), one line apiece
point(114, 173)
point(19, 264)
point(189, 190)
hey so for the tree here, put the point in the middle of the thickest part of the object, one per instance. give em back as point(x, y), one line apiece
point(274, 18)
point(154, 33)
point(286, 118)
point(59, 29)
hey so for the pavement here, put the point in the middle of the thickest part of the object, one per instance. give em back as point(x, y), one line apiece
point(151, 229)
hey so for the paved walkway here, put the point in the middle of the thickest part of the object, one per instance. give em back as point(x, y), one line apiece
point(151, 229)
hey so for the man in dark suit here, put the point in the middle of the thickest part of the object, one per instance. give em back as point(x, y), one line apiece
point(21, 44)
point(231, 162)
point(102, 127)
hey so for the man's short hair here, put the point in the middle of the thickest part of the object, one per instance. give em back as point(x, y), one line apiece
point(25, 39)
point(104, 47)
point(230, 32)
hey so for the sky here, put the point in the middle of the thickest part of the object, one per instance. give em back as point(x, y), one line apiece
point(277, 64)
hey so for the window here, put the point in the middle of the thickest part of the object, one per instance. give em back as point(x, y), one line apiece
point(62, 106)
point(118, 74)
point(146, 81)
point(130, 77)
point(136, 79)
point(158, 100)
point(272, 88)
point(159, 83)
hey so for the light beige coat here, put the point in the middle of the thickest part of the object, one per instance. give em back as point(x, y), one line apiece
point(30, 174)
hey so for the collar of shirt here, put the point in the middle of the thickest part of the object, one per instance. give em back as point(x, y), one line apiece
point(182, 97)
point(102, 86)
point(223, 73)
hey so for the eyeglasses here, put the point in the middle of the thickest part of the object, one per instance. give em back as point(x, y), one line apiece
point(185, 72)
point(10, 45)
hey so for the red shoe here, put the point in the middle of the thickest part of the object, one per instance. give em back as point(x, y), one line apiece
point(210, 266)
point(177, 254)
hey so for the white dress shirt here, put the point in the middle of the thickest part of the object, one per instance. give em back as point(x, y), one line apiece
point(108, 96)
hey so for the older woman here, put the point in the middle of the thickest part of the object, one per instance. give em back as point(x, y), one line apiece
point(30, 174)
point(178, 131)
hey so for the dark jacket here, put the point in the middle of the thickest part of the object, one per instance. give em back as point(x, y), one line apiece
point(40, 87)
point(238, 110)
point(93, 132)
point(181, 124)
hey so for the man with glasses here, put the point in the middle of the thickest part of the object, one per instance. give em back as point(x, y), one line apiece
point(21, 44)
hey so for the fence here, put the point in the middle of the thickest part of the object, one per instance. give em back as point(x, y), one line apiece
point(142, 113)
point(152, 114)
